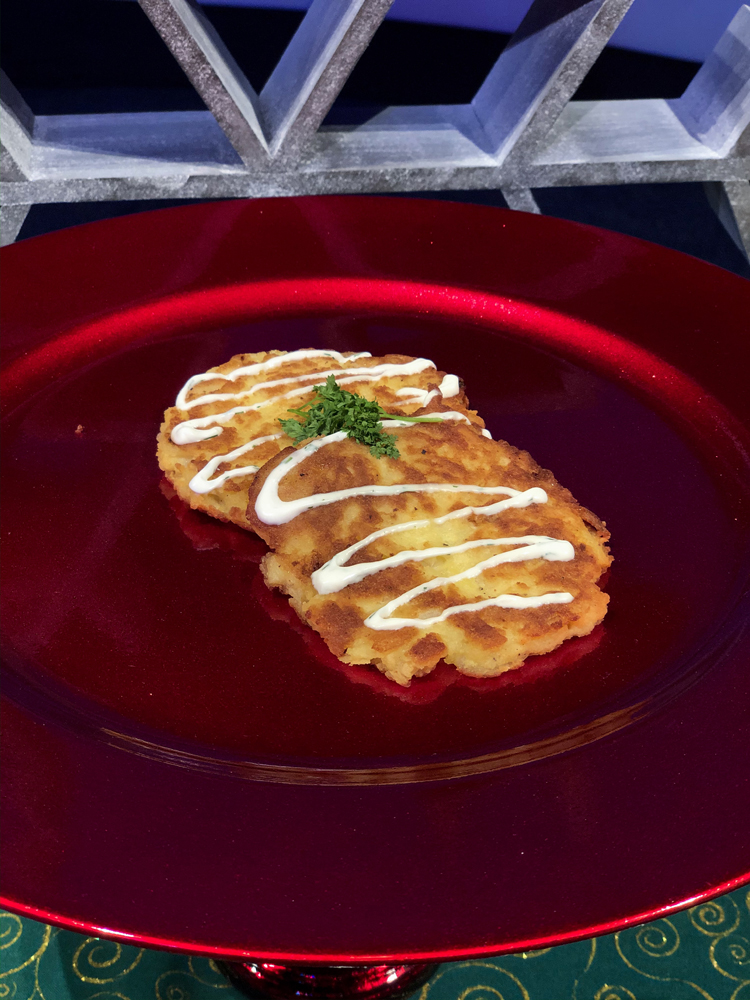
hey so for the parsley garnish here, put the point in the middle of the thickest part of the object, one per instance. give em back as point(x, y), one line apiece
point(338, 410)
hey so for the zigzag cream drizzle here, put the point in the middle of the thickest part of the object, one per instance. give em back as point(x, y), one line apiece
point(193, 430)
point(197, 429)
point(335, 575)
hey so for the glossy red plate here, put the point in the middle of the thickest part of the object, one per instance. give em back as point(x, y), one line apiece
point(186, 766)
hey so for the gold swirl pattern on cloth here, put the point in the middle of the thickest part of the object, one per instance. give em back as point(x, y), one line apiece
point(717, 917)
point(654, 943)
point(703, 952)
point(179, 984)
point(608, 992)
point(495, 981)
point(658, 940)
point(730, 955)
point(26, 942)
point(206, 971)
point(102, 958)
point(11, 929)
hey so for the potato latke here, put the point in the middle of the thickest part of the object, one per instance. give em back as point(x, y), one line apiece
point(225, 422)
point(463, 549)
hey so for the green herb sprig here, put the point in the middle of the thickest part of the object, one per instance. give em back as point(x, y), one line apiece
point(335, 410)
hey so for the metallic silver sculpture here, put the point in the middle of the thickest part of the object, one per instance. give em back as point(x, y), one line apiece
point(520, 132)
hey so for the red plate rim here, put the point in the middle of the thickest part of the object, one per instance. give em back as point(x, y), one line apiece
point(507, 947)
point(308, 295)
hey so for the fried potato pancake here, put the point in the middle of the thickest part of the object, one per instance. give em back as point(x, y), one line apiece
point(225, 422)
point(462, 549)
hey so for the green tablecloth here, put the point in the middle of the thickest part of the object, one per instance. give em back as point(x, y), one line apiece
point(700, 952)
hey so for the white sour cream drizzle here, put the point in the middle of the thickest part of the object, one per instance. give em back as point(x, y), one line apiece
point(541, 548)
point(271, 509)
point(450, 386)
point(202, 482)
point(334, 575)
point(412, 394)
point(198, 429)
point(261, 366)
point(372, 374)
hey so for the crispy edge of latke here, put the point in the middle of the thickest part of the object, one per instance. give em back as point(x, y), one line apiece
point(426, 650)
point(165, 447)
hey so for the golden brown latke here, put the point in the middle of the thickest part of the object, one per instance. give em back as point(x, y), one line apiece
point(262, 405)
point(482, 642)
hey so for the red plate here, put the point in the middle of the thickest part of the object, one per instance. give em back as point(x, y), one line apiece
point(186, 766)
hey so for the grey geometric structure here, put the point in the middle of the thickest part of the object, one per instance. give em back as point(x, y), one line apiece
point(521, 131)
